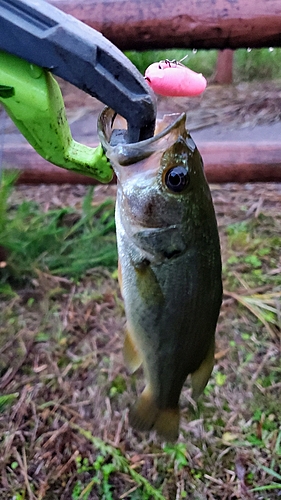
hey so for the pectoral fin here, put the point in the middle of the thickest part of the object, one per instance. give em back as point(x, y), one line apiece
point(120, 277)
point(200, 377)
point(148, 287)
point(132, 358)
point(161, 243)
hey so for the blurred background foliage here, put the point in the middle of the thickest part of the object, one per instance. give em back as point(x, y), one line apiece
point(249, 64)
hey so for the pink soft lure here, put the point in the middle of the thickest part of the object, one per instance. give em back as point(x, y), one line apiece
point(173, 79)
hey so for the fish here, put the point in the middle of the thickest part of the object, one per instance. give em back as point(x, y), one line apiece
point(169, 266)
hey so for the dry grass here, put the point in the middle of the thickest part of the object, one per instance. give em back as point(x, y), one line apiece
point(63, 425)
point(233, 106)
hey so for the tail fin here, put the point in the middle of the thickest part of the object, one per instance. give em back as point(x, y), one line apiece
point(167, 424)
point(146, 416)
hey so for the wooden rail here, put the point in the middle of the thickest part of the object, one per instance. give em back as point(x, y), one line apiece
point(204, 24)
point(224, 162)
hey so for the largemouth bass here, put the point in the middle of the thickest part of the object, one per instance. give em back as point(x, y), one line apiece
point(169, 264)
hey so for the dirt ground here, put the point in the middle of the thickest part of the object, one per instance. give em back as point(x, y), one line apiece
point(61, 355)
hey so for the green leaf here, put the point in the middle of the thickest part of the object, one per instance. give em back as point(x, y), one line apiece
point(271, 472)
point(272, 486)
point(7, 400)
point(220, 379)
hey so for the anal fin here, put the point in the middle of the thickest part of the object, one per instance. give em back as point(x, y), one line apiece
point(200, 377)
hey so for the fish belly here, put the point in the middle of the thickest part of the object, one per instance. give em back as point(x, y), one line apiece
point(172, 309)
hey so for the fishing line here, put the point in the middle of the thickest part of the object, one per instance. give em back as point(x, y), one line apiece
point(183, 58)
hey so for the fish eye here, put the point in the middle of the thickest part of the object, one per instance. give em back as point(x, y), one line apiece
point(177, 178)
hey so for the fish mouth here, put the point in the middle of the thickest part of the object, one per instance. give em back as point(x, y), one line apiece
point(112, 135)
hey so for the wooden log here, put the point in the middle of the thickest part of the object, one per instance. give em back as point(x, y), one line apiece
point(52, 175)
point(205, 24)
point(241, 161)
point(224, 162)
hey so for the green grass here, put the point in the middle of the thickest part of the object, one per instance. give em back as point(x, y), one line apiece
point(255, 64)
point(63, 241)
point(7, 181)
point(108, 461)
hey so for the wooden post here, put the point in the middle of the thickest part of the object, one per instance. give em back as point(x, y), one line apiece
point(224, 68)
